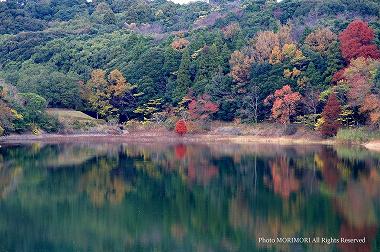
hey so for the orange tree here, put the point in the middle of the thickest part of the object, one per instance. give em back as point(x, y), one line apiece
point(284, 102)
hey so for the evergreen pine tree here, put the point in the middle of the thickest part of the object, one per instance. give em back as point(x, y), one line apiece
point(183, 77)
point(225, 55)
point(208, 63)
point(314, 76)
point(335, 62)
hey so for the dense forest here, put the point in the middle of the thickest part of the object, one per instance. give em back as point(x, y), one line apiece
point(315, 63)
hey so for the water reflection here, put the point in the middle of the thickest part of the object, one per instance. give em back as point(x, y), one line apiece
point(119, 197)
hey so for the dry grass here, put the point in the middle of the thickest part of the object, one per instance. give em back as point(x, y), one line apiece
point(75, 121)
point(69, 115)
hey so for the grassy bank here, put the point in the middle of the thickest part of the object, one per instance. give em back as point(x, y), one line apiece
point(357, 135)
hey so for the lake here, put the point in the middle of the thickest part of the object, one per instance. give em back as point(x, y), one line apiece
point(188, 197)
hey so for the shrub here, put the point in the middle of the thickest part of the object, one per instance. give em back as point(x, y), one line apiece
point(50, 124)
point(133, 125)
point(196, 127)
point(81, 125)
point(180, 127)
point(193, 127)
point(229, 130)
point(35, 130)
point(170, 122)
point(309, 120)
point(290, 129)
point(77, 125)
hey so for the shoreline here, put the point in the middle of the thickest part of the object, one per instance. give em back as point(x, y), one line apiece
point(170, 138)
point(139, 137)
point(373, 145)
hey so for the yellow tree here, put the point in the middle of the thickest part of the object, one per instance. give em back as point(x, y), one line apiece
point(118, 85)
point(268, 43)
point(321, 40)
point(106, 95)
point(99, 96)
point(264, 43)
point(240, 66)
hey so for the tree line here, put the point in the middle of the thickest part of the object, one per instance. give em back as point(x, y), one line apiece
point(250, 61)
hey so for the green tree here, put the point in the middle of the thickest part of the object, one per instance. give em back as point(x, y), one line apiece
point(58, 88)
point(314, 76)
point(335, 62)
point(183, 81)
point(34, 106)
point(207, 64)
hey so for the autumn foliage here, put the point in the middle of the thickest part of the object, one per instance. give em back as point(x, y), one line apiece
point(284, 180)
point(202, 108)
point(357, 40)
point(358, 76)
point(180, 44)
point(180, 127)
point(267, 41)
point(330, 116)
point(266, 46)
point(320, 40)
point(371, 106)
point(284, 104)
point(240, 67)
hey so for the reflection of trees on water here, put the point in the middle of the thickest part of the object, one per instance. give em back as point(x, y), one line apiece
point(284, 180)
point(9, 177)
point(197, 196)
point(101, 186)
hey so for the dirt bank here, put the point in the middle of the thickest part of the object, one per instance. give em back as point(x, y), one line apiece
point(373, 145)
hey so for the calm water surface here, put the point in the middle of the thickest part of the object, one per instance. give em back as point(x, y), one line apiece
point(119, 197)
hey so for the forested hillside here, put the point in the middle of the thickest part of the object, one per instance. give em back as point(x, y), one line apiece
point(315, 63)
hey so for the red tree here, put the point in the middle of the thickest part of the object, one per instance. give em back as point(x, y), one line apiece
point(202, 108)
point(330, 116)
point(180, 127)
point(284, 104)
point(357, 41)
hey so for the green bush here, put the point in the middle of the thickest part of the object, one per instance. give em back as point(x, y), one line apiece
point(50, 124)
point(357, 135)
